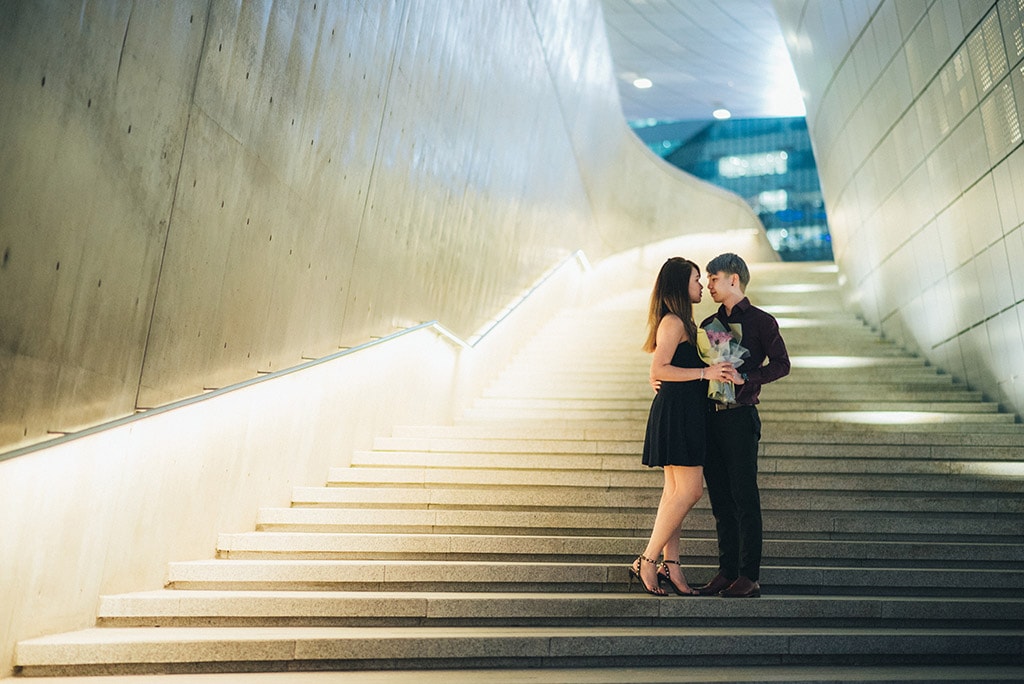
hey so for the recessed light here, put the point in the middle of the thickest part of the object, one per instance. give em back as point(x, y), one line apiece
point(721, 113)
point(642, 83)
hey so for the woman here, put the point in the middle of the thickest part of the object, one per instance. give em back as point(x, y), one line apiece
point(675, 437)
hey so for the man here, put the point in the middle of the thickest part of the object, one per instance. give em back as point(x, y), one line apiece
point(734, 431)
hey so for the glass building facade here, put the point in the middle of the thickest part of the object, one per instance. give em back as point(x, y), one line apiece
point(768, 162)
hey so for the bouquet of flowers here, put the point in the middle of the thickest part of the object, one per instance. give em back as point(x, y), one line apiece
point(722, 345)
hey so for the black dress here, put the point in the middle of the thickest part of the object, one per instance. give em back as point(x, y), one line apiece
point(676, 427)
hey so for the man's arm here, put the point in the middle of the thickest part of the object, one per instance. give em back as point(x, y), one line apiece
point(775, 349)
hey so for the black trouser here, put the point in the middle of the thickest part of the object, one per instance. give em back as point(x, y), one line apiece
point(731, 476)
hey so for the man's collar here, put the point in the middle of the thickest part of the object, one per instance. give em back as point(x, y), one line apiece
point(741, 305)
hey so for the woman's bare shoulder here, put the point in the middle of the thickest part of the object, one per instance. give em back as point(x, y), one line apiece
point(671, 327)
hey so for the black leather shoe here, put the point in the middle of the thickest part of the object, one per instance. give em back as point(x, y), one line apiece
point(713, 588)
point(742, 588)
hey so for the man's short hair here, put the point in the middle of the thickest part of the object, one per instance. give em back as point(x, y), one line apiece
point(730, 263)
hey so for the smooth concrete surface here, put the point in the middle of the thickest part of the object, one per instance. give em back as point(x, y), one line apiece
point(198, 192)
point(93, 122)
point(916, 111)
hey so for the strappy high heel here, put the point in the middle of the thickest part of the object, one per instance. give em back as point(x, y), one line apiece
point(634, 573)
point(666, 577)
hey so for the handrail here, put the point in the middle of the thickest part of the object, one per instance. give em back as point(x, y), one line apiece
point(578, 256)
point(435, 325)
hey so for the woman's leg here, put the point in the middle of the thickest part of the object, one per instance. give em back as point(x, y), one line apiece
point(683, 488)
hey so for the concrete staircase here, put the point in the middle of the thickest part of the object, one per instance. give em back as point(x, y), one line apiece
point(894, 524)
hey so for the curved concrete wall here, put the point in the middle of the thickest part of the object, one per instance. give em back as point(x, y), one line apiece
point(915, 110)
point(195, 192)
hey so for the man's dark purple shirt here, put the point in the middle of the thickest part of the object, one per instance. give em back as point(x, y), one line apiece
point(762, 339)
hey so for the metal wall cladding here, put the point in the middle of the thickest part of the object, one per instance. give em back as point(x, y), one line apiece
point(230, 187)
point(924, 173)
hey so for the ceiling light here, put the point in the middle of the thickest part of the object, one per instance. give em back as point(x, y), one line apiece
point(721, 113)
point(642, 83)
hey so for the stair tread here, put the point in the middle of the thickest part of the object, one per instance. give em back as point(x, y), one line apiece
point(565, 547)
point(178, 596)
point(185, 604)
point(479, 645)
point(113, 636)
point(302, 573)
point(597, 675)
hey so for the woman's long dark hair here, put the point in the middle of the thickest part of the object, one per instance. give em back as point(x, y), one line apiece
point(671, 294)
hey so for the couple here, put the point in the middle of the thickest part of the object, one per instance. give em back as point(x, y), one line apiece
point(694, 438)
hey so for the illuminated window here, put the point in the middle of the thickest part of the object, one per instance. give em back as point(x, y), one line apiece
point(773, 200)
point(763, 164)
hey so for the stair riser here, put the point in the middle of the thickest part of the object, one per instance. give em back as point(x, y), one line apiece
point(776, 406)
point(557, 619)
point(611, 431)
point(368, 575)
point(547, 549)
point(777, 524)
point(652, 647)
point(771, 393)
point(824, 421)
point(1009, 589)
point(618, 429)
point(871, 483)
point(647, 500)
point(629, 443)
point(773, 458)
point(168, 605)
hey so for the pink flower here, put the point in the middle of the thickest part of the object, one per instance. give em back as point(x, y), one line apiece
point(717, 338)
point(724, 347)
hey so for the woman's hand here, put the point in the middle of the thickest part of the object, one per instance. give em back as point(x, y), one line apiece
point(723, 372)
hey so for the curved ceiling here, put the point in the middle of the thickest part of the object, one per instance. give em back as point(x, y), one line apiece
point(701, 55)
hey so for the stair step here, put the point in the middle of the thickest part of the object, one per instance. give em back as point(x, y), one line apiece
point(777, 524)
point(611, 438)
point(777, 459)
point(179, 608)
point(652, 478)
point(129, 650)
point(639, 389)
point(963, 408)
point(523, 547)
point(623, 430)
point(596, 675)
point(647, 499)
point(841, 365)
point(412, 575)
point(943, 421)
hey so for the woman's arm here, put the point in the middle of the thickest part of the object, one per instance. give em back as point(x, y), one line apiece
point(670, 335)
